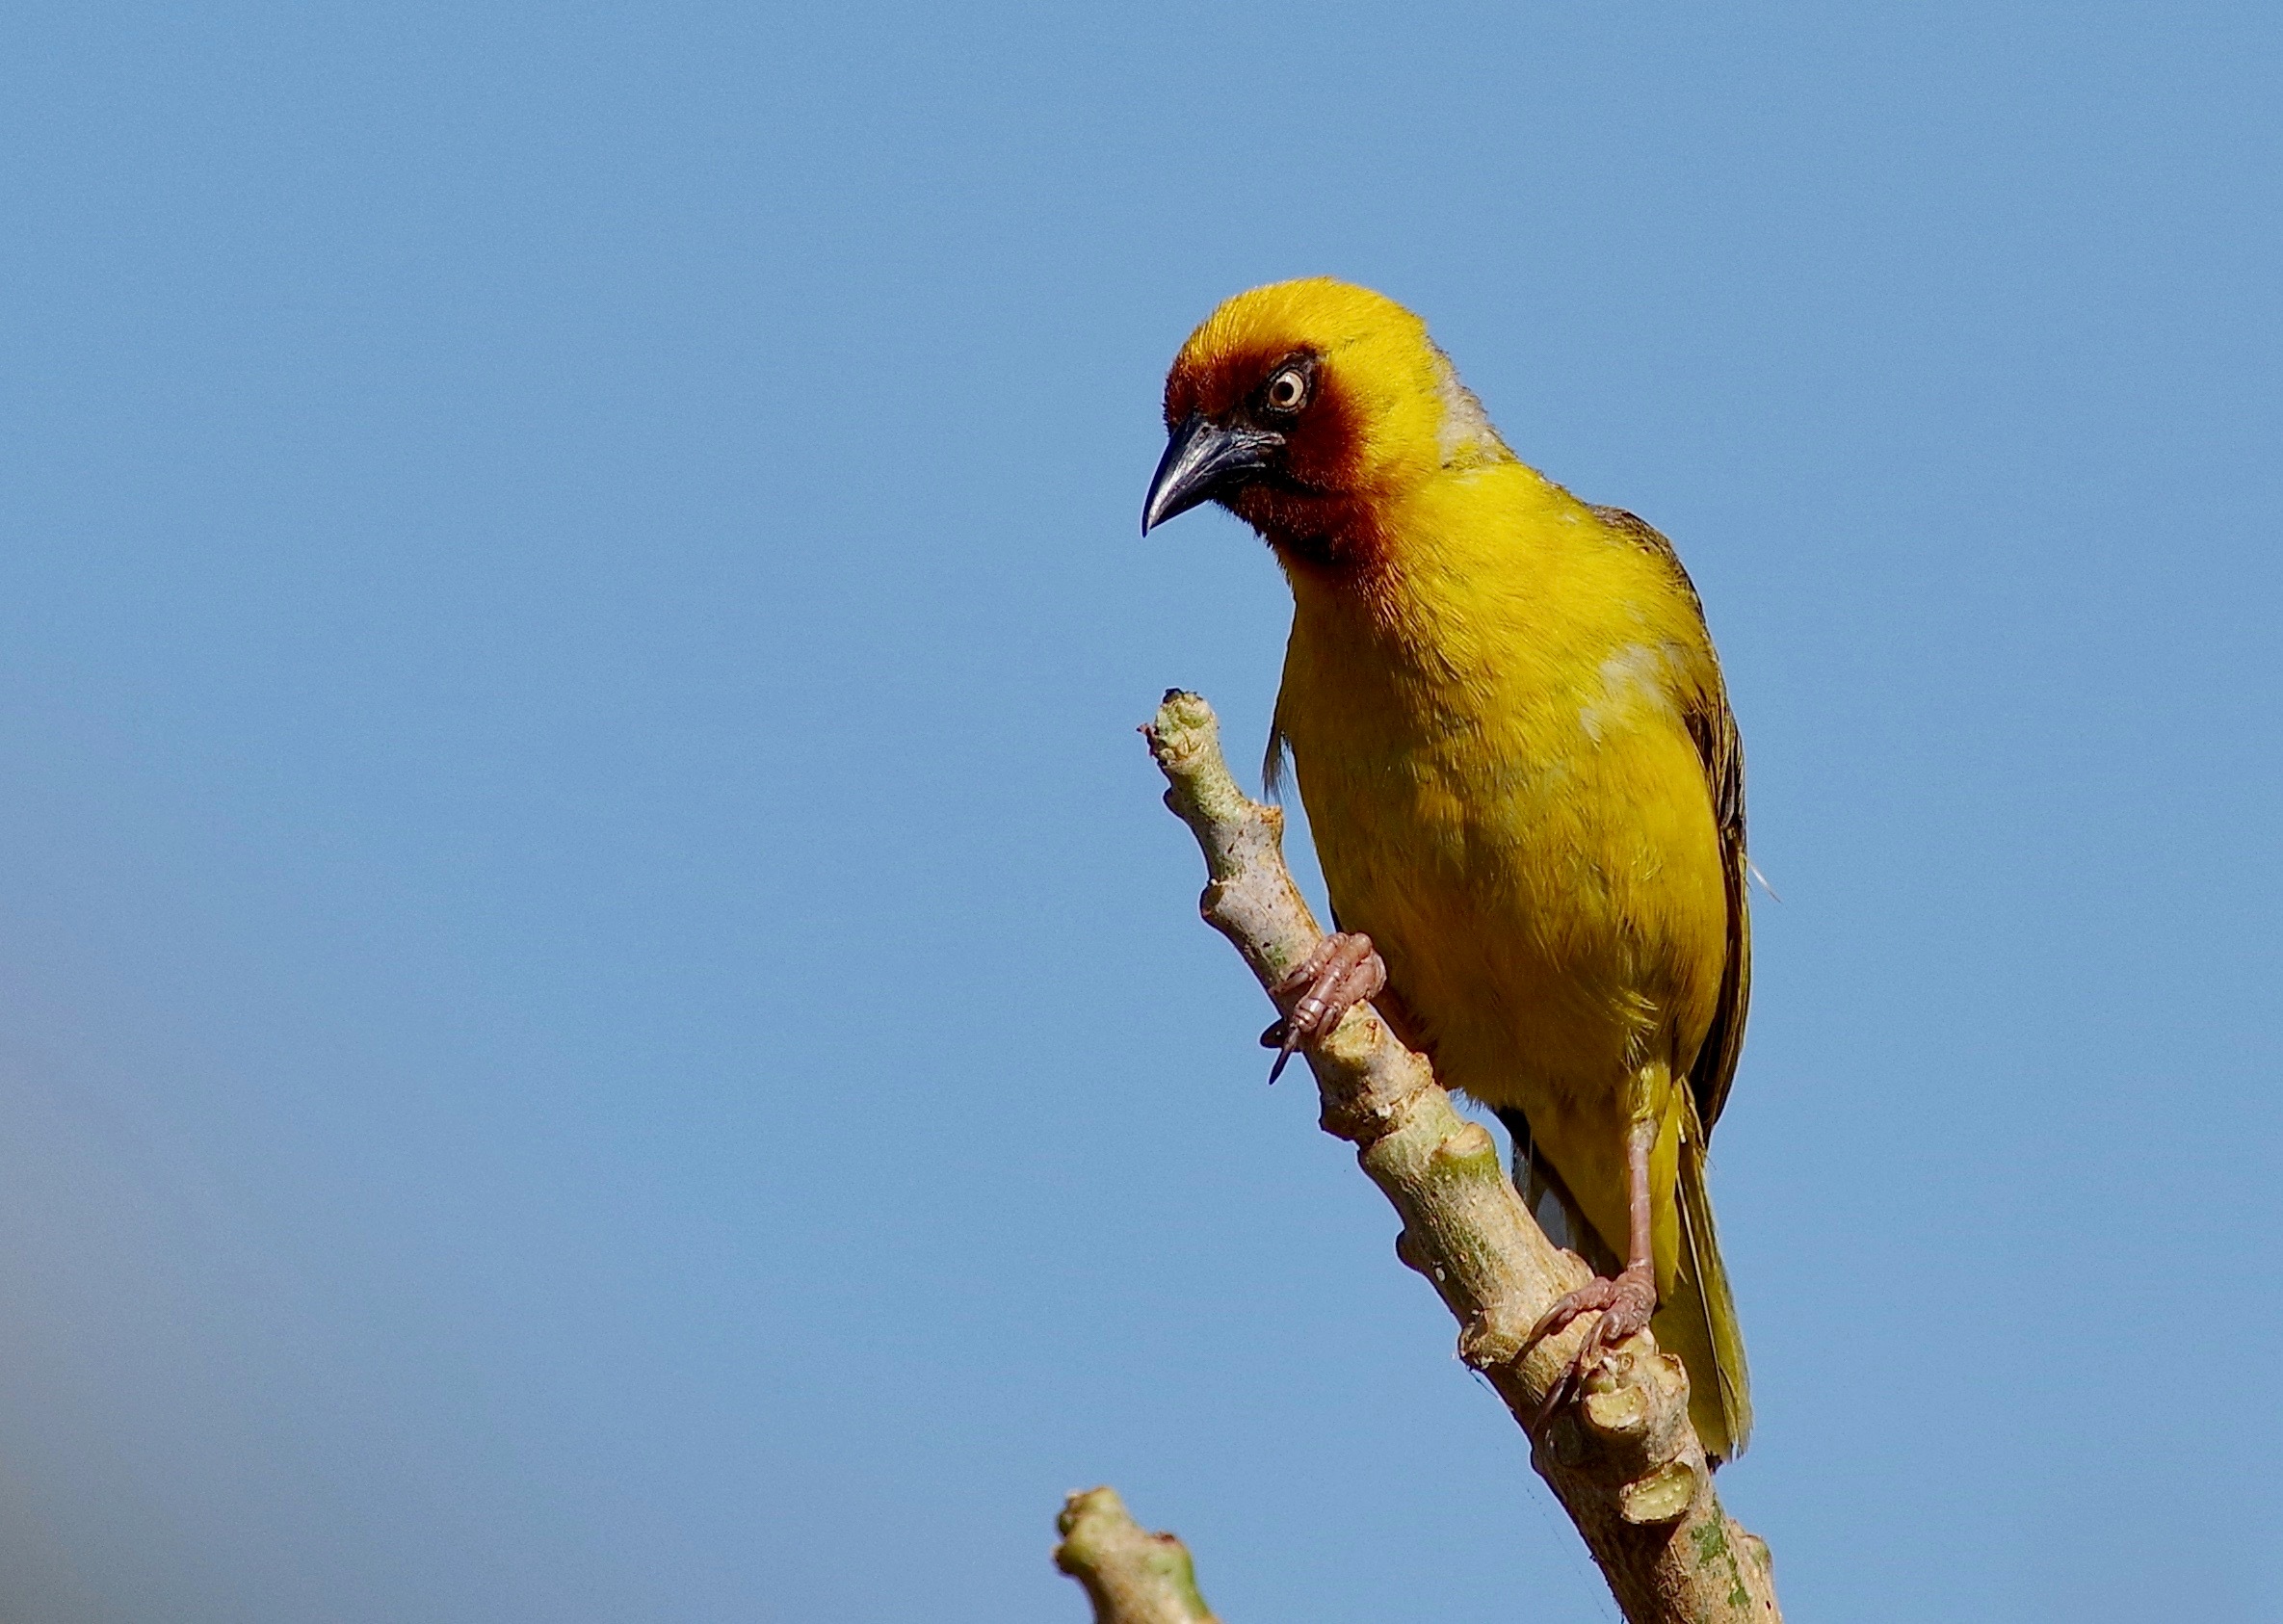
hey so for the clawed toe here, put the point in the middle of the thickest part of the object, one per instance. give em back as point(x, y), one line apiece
point(1593, 1297)
point(1341, 972)
point(1625, 1305)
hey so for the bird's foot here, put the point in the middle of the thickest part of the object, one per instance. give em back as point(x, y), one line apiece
point(1624, 1304)
point(1339, 973)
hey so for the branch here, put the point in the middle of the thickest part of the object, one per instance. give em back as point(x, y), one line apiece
point(1623, 1459)
point(1131, 1576)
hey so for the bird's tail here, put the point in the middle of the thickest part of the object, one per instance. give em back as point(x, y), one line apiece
point(1697, 1319)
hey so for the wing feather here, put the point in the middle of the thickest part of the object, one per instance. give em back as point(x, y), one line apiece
point(1720, 749)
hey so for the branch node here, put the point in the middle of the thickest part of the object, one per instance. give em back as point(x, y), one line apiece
point(1620, 1414)
point(1382, 1081)
point(1494, 1334)
point(1663, 1496)
point(1468, 1150)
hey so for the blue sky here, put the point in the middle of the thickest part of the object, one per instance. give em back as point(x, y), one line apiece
point(599, 1019)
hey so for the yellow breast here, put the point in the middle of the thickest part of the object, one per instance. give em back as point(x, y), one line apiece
point(1491, 748)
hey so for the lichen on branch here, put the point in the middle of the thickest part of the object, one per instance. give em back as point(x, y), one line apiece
point(1622, 1458)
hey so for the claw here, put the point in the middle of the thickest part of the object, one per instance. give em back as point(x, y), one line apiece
point(1625, 1305)
point(1339, 973)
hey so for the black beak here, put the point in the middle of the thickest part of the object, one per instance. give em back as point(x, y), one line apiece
point(1203, 459)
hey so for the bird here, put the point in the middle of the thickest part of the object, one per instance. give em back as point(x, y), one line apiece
point(1514, 748)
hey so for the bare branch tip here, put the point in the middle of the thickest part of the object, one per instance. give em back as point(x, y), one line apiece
point(1183, 729)
point(1130, 1575)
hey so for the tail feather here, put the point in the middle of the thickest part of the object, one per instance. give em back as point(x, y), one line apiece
point(1698, 1320)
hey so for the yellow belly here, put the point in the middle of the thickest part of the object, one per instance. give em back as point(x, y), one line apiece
point(1557, 939)
point(1530, 841)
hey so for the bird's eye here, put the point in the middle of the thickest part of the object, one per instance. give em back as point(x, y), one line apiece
point(1287, 391)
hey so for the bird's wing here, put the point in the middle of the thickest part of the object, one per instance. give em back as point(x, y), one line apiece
point(1719, 747)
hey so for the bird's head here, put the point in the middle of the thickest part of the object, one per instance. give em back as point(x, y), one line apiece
point(1301, 406)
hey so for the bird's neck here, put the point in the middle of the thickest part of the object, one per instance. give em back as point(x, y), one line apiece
point(1422, 565)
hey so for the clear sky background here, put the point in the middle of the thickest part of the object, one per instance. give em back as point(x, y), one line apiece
point(599, 1021)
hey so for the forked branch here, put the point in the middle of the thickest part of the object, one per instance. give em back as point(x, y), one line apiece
point(1622, 1458)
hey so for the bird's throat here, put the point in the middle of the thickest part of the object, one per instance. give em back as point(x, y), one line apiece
point(1335, 538)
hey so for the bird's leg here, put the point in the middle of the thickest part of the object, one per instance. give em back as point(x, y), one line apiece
point(1340, 972)
point(1624, 1304)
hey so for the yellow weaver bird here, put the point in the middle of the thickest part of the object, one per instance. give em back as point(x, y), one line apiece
point(1527, 790)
